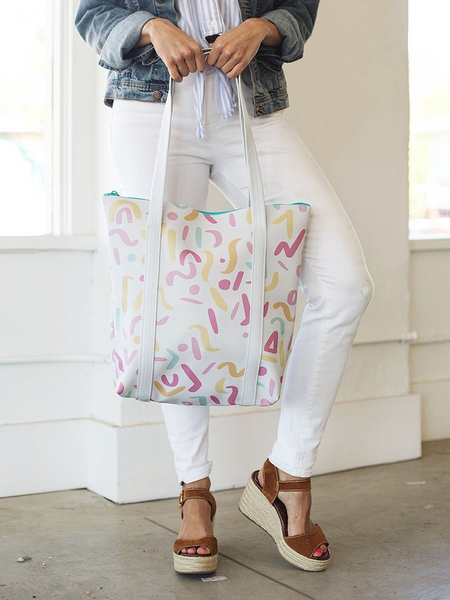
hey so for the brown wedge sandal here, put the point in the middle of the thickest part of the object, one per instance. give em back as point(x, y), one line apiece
point(196, 563)
point(261, 505)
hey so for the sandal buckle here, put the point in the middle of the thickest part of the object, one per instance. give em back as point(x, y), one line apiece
point(181, 499)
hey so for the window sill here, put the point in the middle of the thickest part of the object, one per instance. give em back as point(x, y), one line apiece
point(429, 244)
point(42, 243)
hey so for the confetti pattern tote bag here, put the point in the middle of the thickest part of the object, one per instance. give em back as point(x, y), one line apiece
point(203, 303)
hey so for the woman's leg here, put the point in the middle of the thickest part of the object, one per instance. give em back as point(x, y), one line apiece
point(133, 139)
point(334, 278)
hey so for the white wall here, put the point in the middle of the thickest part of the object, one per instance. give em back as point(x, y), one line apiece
point(349, 102)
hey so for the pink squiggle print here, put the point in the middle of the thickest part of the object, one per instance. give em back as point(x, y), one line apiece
point(116, 355)
point(117, 256)
point(246, 305)
point(196, 349)
point(123, 236)
point(134, 322)
point(250, 247)
point(197, 384)
point(162, 321)
point(185, 232)
point(166, 381)
point(235, 309)
point(265, 402)
point(128, 359)
point(283, 266)
point(193, 300)
point(234, 393)
point(208, 368)
point(120, 388)
point(290, 250)
point(127, 211)
point(237, 281)
point(271, 387)
point(192, 273)
point(185, 253)
point(265, 309)
point(217, 235)
point(232, 220)
point(209, 218)
point(213, 320)
point(215, 399)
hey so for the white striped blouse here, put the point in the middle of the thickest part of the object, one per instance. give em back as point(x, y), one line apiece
point(200, 19)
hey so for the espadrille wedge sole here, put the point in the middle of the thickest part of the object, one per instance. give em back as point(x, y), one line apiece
point(270, 514)
point(196, 564)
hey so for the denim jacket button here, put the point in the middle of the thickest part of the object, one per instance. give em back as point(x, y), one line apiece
point(156, 94)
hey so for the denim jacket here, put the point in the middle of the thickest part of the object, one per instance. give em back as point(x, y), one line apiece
point(112, 27)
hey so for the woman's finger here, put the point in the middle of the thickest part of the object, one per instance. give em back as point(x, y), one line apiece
point(230, 64)
point(237, 70)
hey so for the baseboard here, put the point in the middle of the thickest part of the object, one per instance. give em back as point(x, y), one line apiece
point(42, 457)
point(133, 464)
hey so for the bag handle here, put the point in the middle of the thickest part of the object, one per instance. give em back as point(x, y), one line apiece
point(153, 249)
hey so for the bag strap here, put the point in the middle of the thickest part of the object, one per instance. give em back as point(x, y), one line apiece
point(153, 249)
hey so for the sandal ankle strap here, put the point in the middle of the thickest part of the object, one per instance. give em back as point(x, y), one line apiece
point(197, 493)
point(272, 484)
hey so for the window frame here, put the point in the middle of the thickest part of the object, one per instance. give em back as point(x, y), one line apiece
point(72, 177)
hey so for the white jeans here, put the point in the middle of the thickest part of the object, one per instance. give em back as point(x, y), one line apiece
point(334, 275)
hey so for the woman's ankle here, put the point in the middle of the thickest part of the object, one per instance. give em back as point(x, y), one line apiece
point(205, 483)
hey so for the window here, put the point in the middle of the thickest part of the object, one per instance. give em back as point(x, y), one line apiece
point(429, 149)
point(25, 119)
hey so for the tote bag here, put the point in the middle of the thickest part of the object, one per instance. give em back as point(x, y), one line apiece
point(203, 303)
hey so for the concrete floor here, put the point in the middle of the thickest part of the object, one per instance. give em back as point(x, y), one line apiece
point(389, 537)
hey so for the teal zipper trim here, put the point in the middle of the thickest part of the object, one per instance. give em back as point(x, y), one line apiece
point(207, 212)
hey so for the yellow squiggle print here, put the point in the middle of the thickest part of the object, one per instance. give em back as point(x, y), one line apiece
point(207, 268)
point(205, 338)
point(163, 298)
point(286, 311)
point(192, 215)
point(268, 358)
point(218, 299)
point(172, 241)
point(248, 216)
point(138, 301)
point(273, 284)
point(219, 386)
point(232, 256)
point(125, 292)
point(160, 388)
point(289, 218)
point(232, 369)
point(144, 234)
point(115, 207)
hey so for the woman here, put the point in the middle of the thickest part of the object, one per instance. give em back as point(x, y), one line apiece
point(143, 44)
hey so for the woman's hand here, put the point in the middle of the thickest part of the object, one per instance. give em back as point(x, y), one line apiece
point(179, 52)
point(233, 50)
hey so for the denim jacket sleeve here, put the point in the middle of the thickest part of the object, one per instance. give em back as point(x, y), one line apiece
point(112, 31)
point(295, 20)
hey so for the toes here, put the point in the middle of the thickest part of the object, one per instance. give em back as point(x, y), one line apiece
point(321, 550)
point(195, 550)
